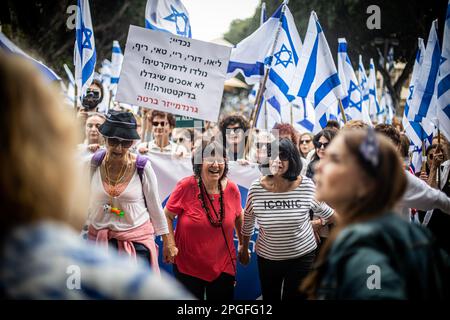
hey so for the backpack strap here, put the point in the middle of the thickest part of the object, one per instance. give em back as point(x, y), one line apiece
point(141, 161)
point(97, 160)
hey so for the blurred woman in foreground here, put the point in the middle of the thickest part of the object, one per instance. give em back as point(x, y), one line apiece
point(41, 256)
point(372, 253)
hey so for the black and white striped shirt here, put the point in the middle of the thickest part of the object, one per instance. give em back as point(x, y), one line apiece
point(285, 230)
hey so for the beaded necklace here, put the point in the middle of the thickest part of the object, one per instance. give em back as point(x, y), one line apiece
point(218, 219)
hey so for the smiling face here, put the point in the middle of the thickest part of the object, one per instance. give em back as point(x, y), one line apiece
point(338, 178)
point(213, 168)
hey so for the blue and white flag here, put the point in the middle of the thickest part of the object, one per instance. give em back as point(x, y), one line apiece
point(270, 109)
point(85, 55)
point(250, 55)
point(352, 103)
point(387, 105)
point(316, 77)
point(364, 85)
point(9, 47)
point(421, 110)
point(169, 16)
point(374, 106)
point(443, 81)
point(302, 113)
point(116, 66)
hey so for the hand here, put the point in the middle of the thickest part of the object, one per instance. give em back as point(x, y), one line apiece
point(316, 224)
point(93, 147)
point(423, 176)
point(243, 162)
point(143, 149)
point(243, 255)
point(169, 253)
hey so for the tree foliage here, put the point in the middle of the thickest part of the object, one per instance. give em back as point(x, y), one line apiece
point(402, 22)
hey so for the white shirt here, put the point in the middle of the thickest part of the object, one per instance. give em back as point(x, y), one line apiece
point(131, 201)
point(421, 196)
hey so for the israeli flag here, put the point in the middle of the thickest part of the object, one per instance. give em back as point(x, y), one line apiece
point(284, 61)
point(85, 54)
point(352, 103)
point(443, 81)
point(386, 104)
point(271, 110)
point(421, 110)
point(316, 77)
point(9, 47)
point(116, 66)
point(169, 16)
point(364, 85)
point(302, 114)
point(250, 55)
point(374, 107)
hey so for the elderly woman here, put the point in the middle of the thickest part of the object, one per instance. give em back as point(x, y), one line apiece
point(41, 255)
point(373, 253)
point(93, 141)
point(208, 207)
point(280, 202)
point(125, 208)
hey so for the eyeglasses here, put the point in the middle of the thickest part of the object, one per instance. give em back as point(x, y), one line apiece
point(305, 141)
point(212, 160)
point(319, 145)
point(159, 123)
point(114, 142)
point(230, 131)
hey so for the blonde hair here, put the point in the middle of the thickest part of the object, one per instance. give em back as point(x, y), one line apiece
point(37, 168)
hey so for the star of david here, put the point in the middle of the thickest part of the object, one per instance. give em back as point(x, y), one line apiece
point(443, 59)
point(352, 103)
point(87, 34)
point(284, 56)
point(180, 19)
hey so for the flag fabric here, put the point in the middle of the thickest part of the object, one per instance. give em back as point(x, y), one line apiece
point(364, 85)
point(390, 59)
point(374, 106)
point(303, 115)
point(263, 17)
point(250, 55)
point(168, 16)
point(270, 109)
point(85, 55)
point(9, 47)
point(352, 103)
point(443, 81)
point(316, 77)
point(116, 66)
point(421, 110)
point(387, 107)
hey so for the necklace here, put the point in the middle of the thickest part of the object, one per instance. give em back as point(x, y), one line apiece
point(113, 190)
point(217, 219)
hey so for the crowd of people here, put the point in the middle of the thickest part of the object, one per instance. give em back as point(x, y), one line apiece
point(328, 207)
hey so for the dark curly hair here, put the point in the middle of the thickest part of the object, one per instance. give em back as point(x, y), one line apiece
point(208, 148)
point(161, 114)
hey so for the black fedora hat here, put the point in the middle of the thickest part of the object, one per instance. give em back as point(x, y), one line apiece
point(121, 125)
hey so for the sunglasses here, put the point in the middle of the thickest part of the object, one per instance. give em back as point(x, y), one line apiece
point(114, 142)
point(159, 123)
point(282, 156)
point(212, 160)
point(319, 145)
point(305, 141)
point(179, 140)
point(95, 94)
point(230, 131)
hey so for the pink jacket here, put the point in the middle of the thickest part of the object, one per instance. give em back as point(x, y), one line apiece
point(143, 234)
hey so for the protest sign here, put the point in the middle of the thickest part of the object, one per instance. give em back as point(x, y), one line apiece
point(173, 74)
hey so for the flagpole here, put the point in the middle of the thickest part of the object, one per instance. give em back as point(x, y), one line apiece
point(439, 147)
point(342, 111)
point(266, 75)
point(266, 122)
point(109, 102)
point(144, 125)
point(75, 95)
point(292, 115)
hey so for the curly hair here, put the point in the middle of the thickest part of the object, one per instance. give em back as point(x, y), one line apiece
point(157, 113)
point(233, 119)
point(287, 129)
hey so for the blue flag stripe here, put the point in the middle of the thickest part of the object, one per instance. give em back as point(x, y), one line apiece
point(325, 88)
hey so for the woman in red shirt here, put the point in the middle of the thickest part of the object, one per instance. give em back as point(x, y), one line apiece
point(208, 207)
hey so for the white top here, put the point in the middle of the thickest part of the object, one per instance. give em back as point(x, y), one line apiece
point(285, 230)
point(421, 196)
point(131, 201)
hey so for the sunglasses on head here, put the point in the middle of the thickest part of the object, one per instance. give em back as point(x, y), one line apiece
point(113, 142)
point(159, 123)
point(319, 145)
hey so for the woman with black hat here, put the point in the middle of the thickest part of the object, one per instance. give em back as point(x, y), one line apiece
point(125, 207)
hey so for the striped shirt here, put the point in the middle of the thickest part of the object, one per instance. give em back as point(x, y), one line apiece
point(285, 230)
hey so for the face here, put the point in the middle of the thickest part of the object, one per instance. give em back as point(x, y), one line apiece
point(279, 164)
point(161, 127)
point(92, 97)
point(306, 144)
point(321, 146)
point(182, 137)
point(430, 157)
point(235, 134)
point(91, 129)
point(338, 181)
point(213, 168)
point(118, 148)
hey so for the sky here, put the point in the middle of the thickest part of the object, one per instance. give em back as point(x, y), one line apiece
point(210, 19)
